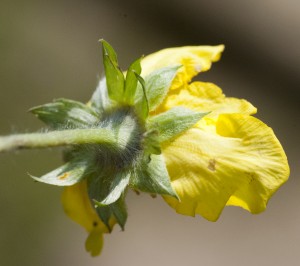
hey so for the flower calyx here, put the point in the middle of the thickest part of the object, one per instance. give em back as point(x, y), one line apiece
point(121, 109)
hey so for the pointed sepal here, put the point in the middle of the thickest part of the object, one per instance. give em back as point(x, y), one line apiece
point(157, 85)
point(100, 101)
point(141, 103)
point(132, 81)
point(117, 210)
point(66, 175)
point(64, 113)
point(114, 76)
point(173, 122)
point(116, 189)
point(107, 191)
point(153, 177)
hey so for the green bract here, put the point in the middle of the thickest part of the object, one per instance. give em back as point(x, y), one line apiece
point(126, 152)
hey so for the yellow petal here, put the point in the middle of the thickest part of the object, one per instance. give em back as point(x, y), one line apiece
point(94, 243)
point(77, 206)
point(242, 164)
point(270, 169)
point(206, 97)
point(194, 59)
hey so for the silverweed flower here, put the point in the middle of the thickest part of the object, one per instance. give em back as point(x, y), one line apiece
point(152, 130)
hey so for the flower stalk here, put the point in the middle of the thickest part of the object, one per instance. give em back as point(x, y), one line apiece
point(57, 138)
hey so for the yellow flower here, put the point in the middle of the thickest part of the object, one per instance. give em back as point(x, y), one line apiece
point(229, 157)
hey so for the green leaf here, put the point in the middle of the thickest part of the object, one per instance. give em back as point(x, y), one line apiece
point(153, 177)
point(66, 175)
point(64, 113)
point(114, 76)
point(158, 84)
point(141, 99)
point(173, 122)
point(131, 81)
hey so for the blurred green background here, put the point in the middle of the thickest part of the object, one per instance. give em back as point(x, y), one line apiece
point(50, 49)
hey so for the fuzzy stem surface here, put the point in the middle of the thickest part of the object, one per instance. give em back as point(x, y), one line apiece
point(57, 138)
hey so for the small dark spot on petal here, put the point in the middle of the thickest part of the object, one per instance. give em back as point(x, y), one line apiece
point(95, 223)
point(251, 177)
point(212, 165)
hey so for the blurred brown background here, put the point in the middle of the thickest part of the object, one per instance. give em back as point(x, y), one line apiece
point(49, 49)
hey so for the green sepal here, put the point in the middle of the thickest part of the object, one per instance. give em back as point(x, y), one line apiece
point(116, 189)
point(151, 142)
point(132, 81)
point(100, 101)
point(157, 85)
point(117, 209)
point(127, 131)
point(113, 74)
point(153, 177)
point(106, 188)
point(66, 175)
point(64, 113)
point(141, 103)
point(104, 213)
point(173, 122)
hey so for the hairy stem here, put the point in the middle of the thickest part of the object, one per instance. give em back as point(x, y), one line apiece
point(57, 138)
